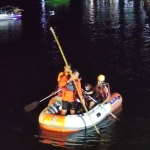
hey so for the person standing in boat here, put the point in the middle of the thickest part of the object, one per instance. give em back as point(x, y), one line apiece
point(64, 73)
point(61, 74)
point(69, 92)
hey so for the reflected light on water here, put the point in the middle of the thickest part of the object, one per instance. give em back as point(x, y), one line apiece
point(92, 12)
point(7, 29)
point(43, 15)
point(44, 21)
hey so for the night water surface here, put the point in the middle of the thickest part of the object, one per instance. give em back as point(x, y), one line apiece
point(97, 37)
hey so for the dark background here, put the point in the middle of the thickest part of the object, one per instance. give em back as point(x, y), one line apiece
point(97, 38)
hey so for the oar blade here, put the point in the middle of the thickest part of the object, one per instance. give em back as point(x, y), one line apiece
point(31, 106)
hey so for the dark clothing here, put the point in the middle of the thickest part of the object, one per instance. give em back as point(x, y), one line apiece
point(68, 105)
point(86, 96)
point(97, 97)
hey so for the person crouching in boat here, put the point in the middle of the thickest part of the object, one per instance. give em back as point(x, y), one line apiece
point(102, 89)
point(101, 92)
point(69, 92)
point(88, 93)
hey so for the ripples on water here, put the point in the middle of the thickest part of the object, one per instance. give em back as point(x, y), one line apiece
point(96, 36)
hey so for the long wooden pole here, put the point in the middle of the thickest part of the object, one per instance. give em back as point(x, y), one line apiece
point(81, 98)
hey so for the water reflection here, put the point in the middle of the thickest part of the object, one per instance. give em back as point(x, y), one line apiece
point(92, 12)
point(83, 139)
point(10, 30)
point(114, 22)
point(49, 10)
point(43, 16)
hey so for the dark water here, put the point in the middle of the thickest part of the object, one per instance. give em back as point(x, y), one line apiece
point(96, 37)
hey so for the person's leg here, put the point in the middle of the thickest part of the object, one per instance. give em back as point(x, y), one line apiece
point(91, 104)
point(72, 108)
point(72, 111)
point(63, 112)
point(64, 107)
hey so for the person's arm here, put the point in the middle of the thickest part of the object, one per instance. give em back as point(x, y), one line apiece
point(59, 76)
point(107, 89)
point(63, 81)
point(89, 92)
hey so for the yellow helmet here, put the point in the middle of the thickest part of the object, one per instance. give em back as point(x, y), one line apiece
point(101, 78)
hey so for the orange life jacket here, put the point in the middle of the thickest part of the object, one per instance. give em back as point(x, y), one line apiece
point(69, 93)
point(61, 74)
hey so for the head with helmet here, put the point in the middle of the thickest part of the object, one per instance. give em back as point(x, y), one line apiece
point(100, 79)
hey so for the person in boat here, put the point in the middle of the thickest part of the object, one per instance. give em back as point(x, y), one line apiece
point(60, 75)
point(88, 92)
point(70, 91)
point(100, 92)
point(102, 89)
point(67, 68)
point(17, 11)
point(91, 96)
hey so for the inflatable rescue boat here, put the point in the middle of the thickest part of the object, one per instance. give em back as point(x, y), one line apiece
point(50, 118)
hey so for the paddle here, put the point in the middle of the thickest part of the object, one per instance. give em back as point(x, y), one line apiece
point(100, 105)
point(33, 105)
point(81, 98)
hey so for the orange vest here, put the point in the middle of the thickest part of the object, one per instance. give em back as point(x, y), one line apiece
point(67, 94)
point(61, 74)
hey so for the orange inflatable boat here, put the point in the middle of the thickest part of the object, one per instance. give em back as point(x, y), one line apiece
point(72, 123)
